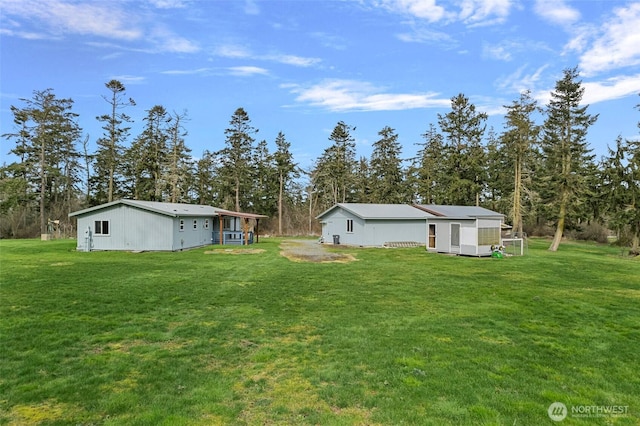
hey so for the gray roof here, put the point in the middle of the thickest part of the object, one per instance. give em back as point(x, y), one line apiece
point(168, 209)
point(380, 211)
point(458, 212)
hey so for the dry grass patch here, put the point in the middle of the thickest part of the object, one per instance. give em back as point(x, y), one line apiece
point(235, 251)
point(311, 251)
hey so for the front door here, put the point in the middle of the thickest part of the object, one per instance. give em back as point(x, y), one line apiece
point(455, 238)
point(432, 236)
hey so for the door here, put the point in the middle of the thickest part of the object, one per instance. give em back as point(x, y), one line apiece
point(455, 238)
point(432, 236)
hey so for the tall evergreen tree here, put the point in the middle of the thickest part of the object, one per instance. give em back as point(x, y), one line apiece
point(518, 142)
point(46, 143)
point(565, 150)
point(429, 169)
point(264, 186)
point(111, 145)
point(179, 163)
point(146, 159)
point(388, 184)
point(286, 171)
point(464, 128)
point(236, 158)
point(362, 180)
point(334, 171)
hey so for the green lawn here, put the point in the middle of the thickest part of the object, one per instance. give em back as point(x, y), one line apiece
point(399, 336)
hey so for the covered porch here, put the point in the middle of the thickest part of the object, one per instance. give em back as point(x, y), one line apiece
point(236, 228)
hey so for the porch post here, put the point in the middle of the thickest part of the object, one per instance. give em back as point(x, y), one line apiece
point(245, 229)
point(221, 225)
point(257, 230)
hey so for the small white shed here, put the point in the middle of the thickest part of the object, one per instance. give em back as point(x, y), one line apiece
point(464, 230)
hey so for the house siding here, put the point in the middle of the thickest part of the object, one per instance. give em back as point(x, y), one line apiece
point(190, 237)
point(131, 228)
point(371, 232)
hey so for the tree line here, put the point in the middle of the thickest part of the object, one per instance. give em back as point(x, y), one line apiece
point(539, 171)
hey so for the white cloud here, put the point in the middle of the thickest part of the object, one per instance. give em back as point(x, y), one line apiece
point(520, 81)
point(245, 71)
point(91, 18)
point(472, 12)
point(612, 88)
point(232, 51)
point(128, 79)
point(187, 72)
point(557, 12)
point(423, 9)
point(169, 4)
point(251, 7)
point(297, 61)
point(167, 41)
point(619, 43)
point(349, 95)
point(55, 19)
point(500, 52)
point(424, 35)
point(239, 52)
point(484, 12)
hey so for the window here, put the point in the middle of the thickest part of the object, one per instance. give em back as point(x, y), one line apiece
point(181, 224)
point(488, 236)
point(101, 227)
point(195, 223)
point(349, 225)
point(206, 224)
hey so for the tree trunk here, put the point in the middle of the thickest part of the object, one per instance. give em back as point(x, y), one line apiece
point(280, 205)
point(560, 227)
point(517, 208)
point(237, 194)
point(43, 187)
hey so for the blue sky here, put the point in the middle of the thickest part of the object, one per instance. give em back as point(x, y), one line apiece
point(301, 66)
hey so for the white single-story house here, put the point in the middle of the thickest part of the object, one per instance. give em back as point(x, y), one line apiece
point(371, 225)
point(154, 226)
point(464, 230)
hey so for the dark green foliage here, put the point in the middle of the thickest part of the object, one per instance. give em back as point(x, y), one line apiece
point(333, 176)
point(518, 146)
point(566, 153)
point(107, 178)
point(46, 138)
point(387, 180)
point(236, 157)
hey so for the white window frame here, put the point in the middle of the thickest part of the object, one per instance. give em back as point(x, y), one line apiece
point(350, 226)
point(181, 228)
point(195, 224)
point(206, 224)
point(98, 231)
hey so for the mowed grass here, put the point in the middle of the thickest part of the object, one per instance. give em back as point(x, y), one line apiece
point(398, 336)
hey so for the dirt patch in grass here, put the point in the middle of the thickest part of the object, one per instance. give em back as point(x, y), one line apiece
point(235, 251)
point(312, 251)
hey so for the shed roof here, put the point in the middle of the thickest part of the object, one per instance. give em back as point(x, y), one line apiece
point(458, 212)
point(380, 211)
point(167, 209)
